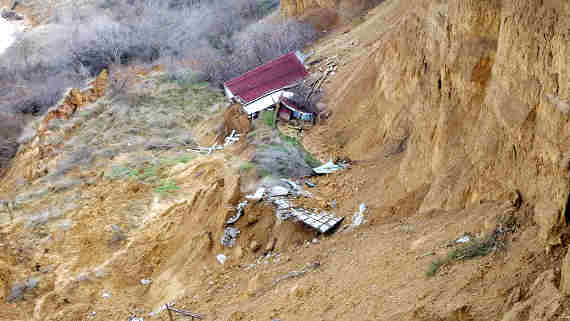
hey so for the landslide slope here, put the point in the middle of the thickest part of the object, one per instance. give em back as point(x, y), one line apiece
point(455, 114)
point(471, 97)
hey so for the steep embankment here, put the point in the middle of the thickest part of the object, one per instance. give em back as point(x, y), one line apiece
point(455, 114)
point(471, 96)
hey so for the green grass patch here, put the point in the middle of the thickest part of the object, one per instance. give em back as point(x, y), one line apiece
point(245, 167)
point(267, 116)
point(435, 265)
point(182, 159)
point(311, 160)
point(166, 186)
point(474, 248)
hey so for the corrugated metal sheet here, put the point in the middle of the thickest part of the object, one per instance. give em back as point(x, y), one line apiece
point(321, 222)
point(274, 75)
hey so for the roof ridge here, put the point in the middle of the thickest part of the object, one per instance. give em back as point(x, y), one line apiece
point(266, 65)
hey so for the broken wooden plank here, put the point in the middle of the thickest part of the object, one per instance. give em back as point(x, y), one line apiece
point(182, 312)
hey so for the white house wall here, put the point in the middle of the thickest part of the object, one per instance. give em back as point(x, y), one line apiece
point(228, 92)
point(266, 101)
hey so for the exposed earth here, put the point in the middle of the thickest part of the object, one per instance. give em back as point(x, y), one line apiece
point(454, 115)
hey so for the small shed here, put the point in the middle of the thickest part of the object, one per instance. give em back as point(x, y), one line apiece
point(297, 111)
point(265, 85)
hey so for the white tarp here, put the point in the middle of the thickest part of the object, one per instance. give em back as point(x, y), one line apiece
point(266, 101)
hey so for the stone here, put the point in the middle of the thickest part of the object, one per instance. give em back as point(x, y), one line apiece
point(254, 246)
point(298, 291)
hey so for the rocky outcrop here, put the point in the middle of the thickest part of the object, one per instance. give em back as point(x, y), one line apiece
point(75, 99)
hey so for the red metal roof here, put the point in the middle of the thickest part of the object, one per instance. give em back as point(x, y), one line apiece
point(276, 74)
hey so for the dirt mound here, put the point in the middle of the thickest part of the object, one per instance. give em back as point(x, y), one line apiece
point(235, 119)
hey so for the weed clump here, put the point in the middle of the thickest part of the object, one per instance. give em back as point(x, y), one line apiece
point(474, 248)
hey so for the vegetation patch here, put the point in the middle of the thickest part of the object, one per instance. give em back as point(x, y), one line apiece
point(473, 248)
point(150, 172)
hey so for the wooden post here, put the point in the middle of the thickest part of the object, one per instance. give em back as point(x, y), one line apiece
point(277, 106)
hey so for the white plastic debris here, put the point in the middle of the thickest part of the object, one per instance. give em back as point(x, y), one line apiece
point(239, 213)
point(146, 281)
point(329, 167)
point(106, 295)
point(230, 236)
point(221, 258)
point(296, 189)
point(258, 194)
point(278, 191)
point(232, 138)
point(463, 239)
point(358, 217)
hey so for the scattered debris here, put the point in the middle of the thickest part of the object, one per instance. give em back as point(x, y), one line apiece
point(283, 208)
point(321, 222)
point(182, 312)
point(106, 295)
point(463, 239)
point(229, 140)
point(146, 281)
point(310, 184)
point(230, 236)
point(296, 189)
point(358, 217)
point(221, 258)
point(330, 167)
point(278, 191)
point(239, 212)
point(424, 255)
point(294, 274)
point(258, 194)
point(232, 138)
point(135, 318)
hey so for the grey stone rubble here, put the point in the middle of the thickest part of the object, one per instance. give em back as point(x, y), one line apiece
point(18, 289)
point(230, 236)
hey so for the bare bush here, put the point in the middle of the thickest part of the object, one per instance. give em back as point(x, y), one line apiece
point(217, 36)
point(283, 159)
point(254, 46)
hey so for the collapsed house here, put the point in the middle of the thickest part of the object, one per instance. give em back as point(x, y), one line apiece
point(267, 87)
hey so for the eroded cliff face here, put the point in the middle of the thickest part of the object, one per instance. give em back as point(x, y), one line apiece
point(478, 93)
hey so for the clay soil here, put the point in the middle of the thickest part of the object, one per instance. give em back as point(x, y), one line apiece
point(100, 241)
